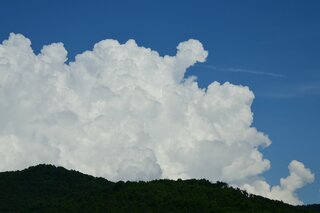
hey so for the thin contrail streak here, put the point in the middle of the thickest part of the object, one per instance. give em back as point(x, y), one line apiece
point(243, 71)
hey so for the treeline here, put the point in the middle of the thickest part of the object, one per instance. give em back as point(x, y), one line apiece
point(46, 188)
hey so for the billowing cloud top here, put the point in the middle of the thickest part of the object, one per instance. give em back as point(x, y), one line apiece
point(124, 112)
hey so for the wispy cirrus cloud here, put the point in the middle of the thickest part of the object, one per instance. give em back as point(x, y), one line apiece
point(239, 70)
point(295, 90)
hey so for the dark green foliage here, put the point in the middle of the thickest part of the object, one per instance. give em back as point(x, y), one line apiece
point(46, 188)
point(314, 207)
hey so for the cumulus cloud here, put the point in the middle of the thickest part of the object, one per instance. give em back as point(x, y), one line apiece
point(298, 177)
point(126, 113)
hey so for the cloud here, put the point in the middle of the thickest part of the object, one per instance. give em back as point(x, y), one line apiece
point(296, 90)
point(125, 113)
point(237, 70)
point(298, 177)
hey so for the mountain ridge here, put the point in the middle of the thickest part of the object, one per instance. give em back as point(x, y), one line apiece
point(47, 188)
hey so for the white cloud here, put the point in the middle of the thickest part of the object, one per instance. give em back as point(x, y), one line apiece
point(298, 177)
point(124, 112)
point(237, 70)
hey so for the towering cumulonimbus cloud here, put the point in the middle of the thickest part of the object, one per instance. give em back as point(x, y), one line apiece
point(126, 113)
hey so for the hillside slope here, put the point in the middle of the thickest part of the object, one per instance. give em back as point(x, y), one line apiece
point(46, 188)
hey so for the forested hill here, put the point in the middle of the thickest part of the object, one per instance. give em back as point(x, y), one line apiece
point(46, 188)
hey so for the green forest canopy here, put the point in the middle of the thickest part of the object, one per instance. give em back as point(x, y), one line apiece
point(46, 188)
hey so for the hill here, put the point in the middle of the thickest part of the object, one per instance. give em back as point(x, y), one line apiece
point(46, 188)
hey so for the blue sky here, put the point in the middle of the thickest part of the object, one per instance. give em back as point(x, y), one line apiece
point(271, 46)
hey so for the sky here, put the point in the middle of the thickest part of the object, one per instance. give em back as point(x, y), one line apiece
point(269, 110)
